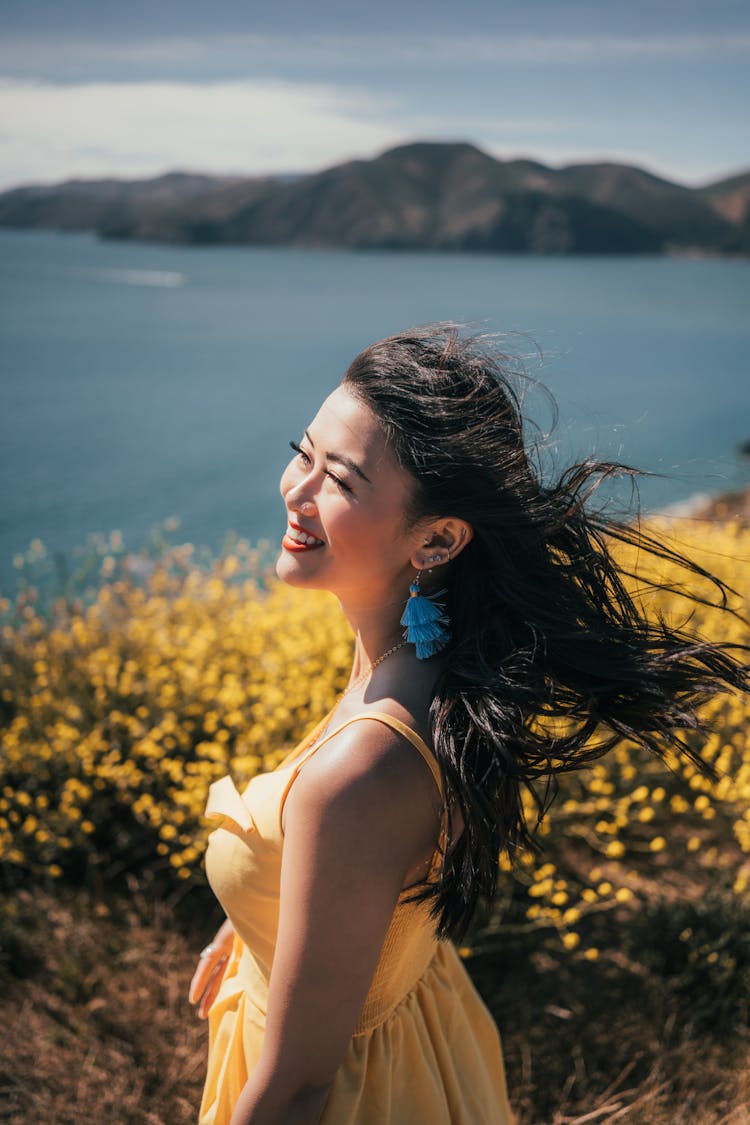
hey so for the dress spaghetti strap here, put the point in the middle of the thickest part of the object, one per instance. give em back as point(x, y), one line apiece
point(391, 721)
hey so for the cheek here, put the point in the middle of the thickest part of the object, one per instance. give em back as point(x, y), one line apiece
point(365, 534)
point(347, 528)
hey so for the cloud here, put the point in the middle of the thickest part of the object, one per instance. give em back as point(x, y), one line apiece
point(50, 132)
point(219, 56)
point(574, 49)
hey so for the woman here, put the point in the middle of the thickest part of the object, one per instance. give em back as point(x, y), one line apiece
point(333, 995)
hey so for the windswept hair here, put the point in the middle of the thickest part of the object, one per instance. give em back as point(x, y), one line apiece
point(552, 661)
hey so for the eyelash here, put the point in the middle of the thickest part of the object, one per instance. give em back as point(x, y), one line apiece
point(300, 451)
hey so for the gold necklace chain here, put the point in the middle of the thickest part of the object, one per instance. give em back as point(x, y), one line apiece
point(351, 687)
point(371, 669)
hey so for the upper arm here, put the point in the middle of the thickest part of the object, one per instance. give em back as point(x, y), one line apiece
point(355, 819)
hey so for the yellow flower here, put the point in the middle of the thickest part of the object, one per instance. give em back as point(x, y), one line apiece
point(571, 940)
point(658, 844)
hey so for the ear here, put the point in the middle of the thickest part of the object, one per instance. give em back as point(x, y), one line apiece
point(441, 542)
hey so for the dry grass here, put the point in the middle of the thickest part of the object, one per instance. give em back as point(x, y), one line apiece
point(97, 1026)
point(603, 1044)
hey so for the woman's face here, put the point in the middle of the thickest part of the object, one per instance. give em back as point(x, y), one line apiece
point(344, 488)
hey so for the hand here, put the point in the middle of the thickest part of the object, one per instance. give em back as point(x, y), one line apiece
point(210, 971)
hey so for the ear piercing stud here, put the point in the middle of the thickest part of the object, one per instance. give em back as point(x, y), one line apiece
point(438, 558)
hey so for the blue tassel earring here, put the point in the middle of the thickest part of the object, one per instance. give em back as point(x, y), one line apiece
point(426, 621)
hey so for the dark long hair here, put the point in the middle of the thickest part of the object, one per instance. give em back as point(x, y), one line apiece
point(545, 630)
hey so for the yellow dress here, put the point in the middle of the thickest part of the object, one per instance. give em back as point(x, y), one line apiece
point(425, 1050)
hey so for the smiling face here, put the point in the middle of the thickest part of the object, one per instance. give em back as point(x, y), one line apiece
point(344, 488)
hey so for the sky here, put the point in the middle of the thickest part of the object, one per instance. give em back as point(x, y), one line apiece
point(92, 88)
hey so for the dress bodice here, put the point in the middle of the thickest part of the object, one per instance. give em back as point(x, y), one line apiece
point(243, 864)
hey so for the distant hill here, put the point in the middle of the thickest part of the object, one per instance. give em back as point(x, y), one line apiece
point(157, 209)
point(730, 198)
point(417, 196)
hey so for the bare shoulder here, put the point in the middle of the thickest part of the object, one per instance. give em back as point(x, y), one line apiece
point(370, 774)
point(366, 760)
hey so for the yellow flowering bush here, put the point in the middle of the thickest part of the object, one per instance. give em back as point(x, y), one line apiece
point(119, 713)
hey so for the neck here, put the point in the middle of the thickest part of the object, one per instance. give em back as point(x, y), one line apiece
point(376, 628)
point(375, 619)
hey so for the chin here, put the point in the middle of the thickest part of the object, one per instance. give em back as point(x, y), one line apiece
point(295, 573)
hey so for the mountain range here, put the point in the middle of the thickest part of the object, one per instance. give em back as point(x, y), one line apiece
point(420, 196)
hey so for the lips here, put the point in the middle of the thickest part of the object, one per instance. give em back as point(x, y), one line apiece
point(291, 545)
point(297, 539)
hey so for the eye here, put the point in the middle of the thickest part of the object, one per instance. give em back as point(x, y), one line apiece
point(301, 453)
point(339, 483)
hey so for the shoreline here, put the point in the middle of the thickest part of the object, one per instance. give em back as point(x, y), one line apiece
point(731, 504)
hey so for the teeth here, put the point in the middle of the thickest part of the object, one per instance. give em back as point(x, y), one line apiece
point(301, 537)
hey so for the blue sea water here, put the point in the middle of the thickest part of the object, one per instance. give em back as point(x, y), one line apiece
point(140, 381)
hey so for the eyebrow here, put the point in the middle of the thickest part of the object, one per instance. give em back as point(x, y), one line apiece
point(342, 460)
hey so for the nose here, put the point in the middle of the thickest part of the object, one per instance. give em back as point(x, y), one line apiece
point(295, 488)
point(304, 507)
